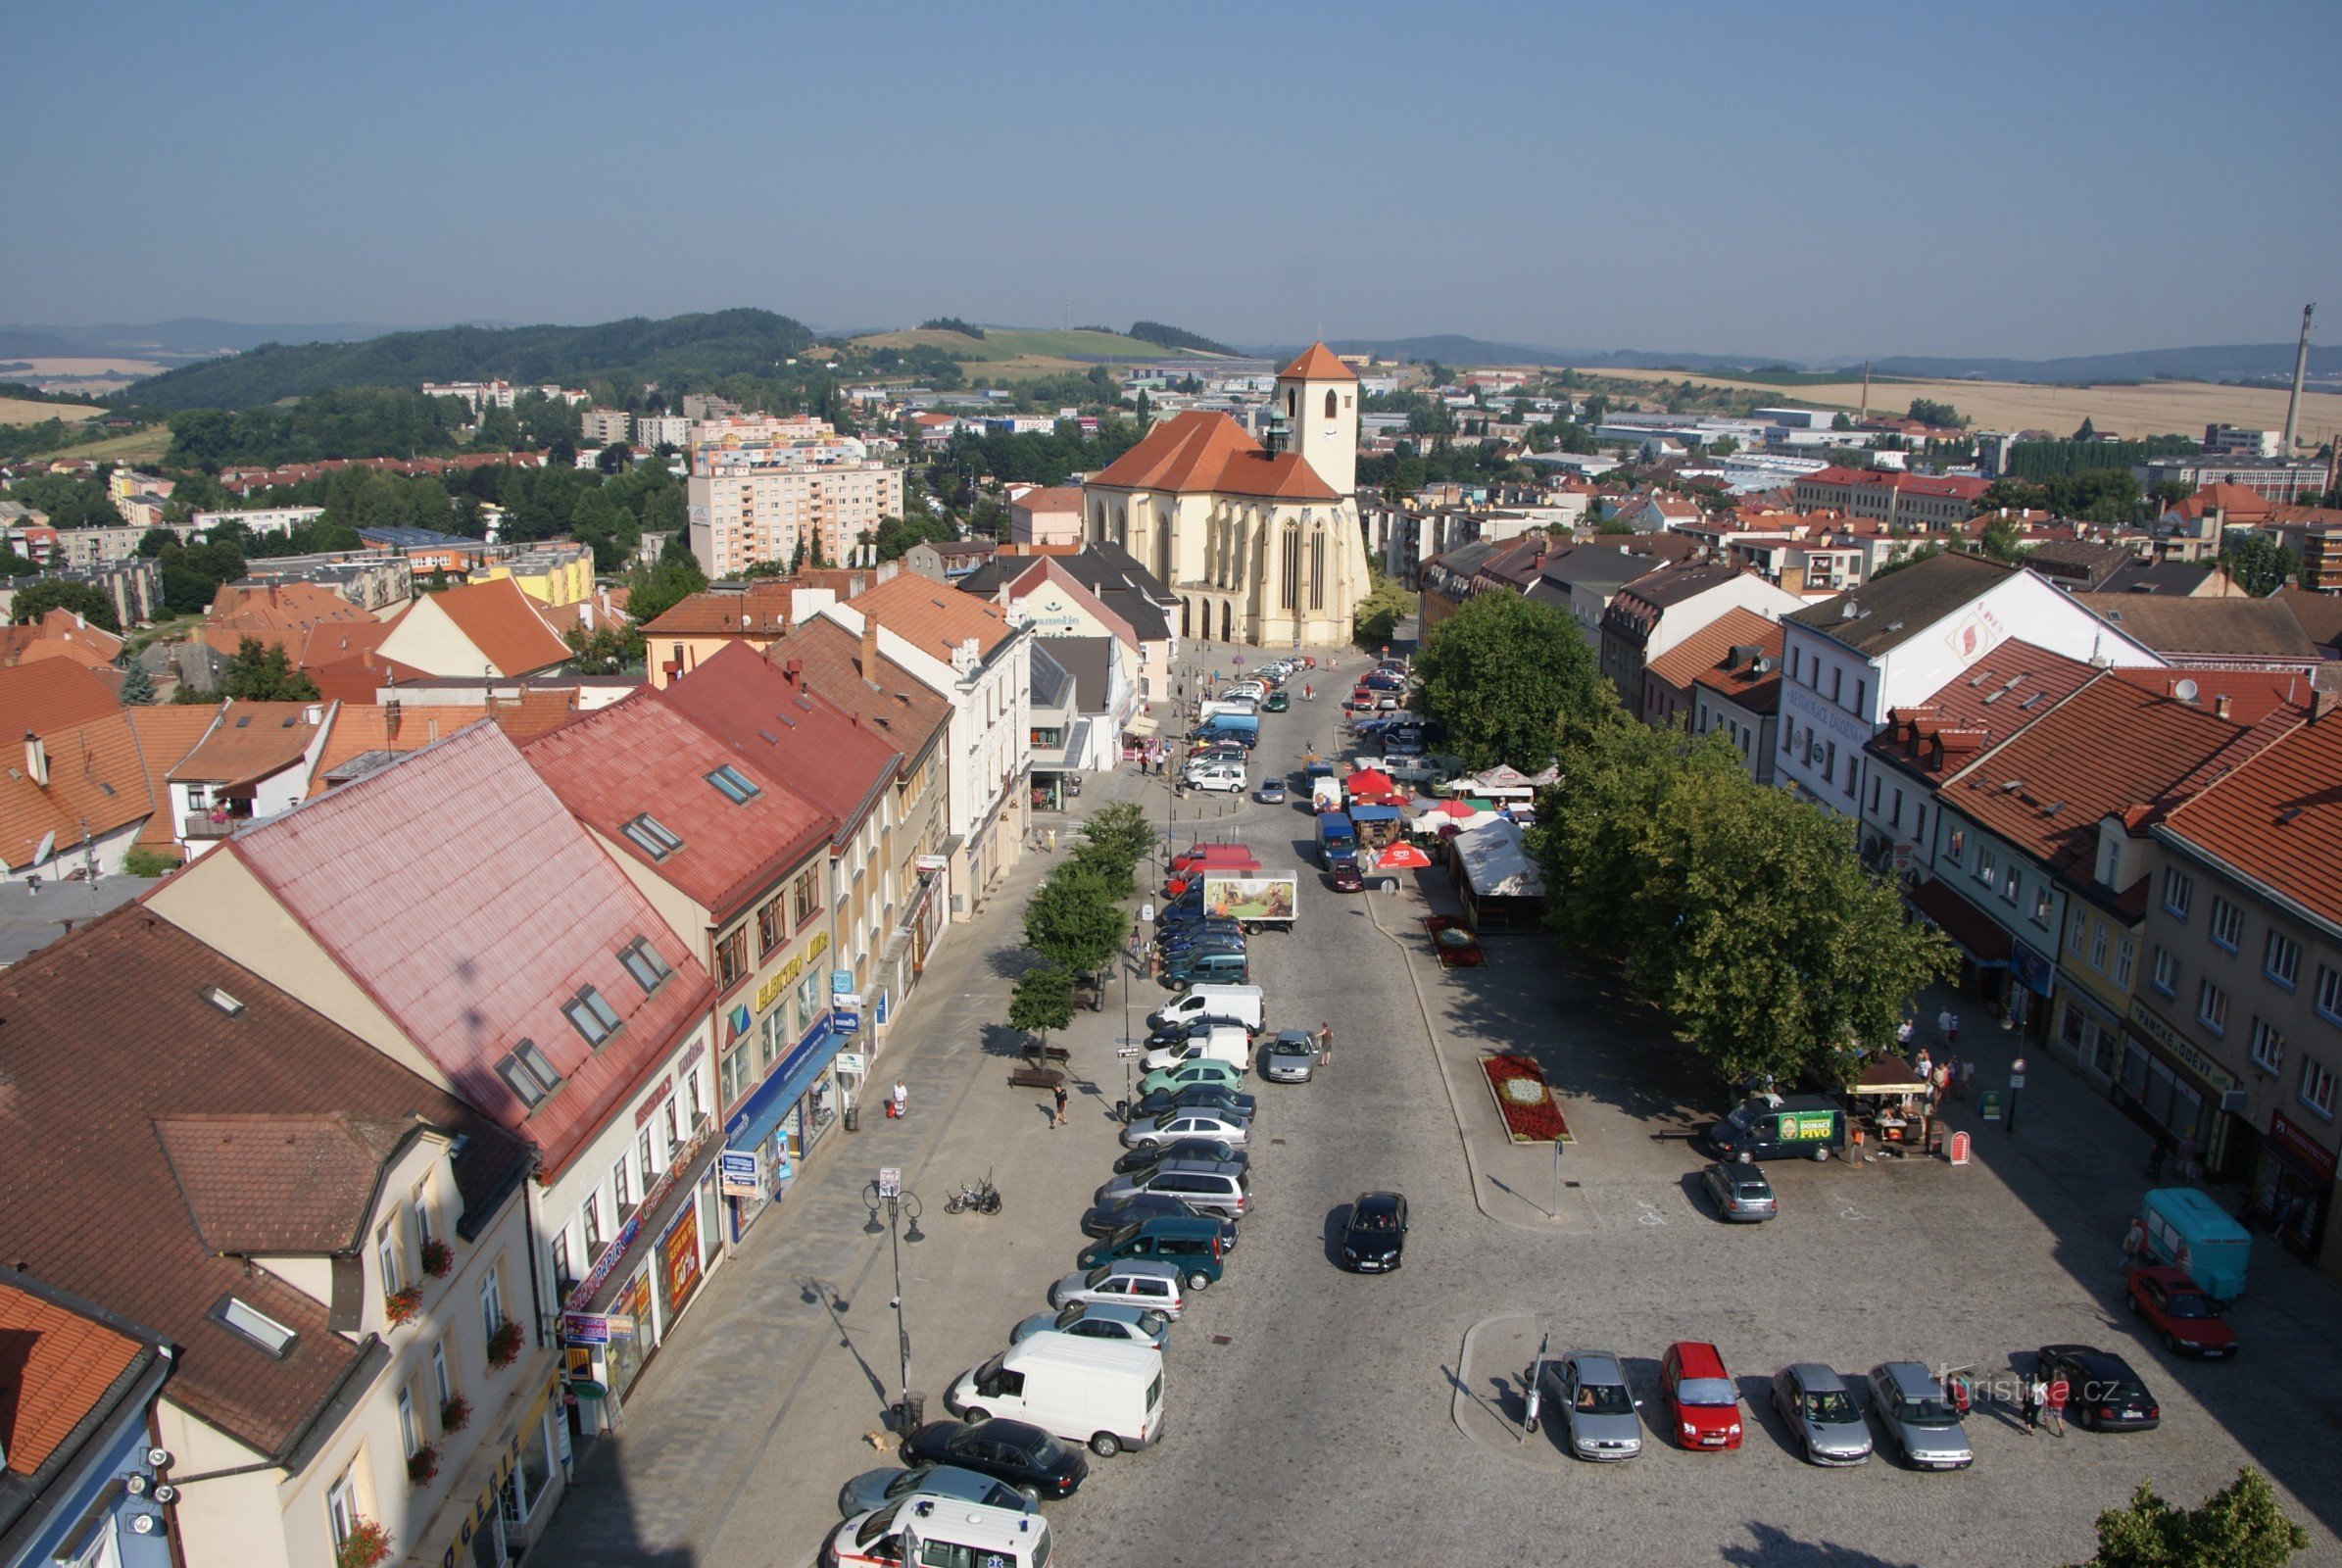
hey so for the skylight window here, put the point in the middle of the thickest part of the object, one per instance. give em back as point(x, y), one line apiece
point(527, 1073)
point(642, 960)
point(223, 1000)
point(257, 1326)
point(733, 784)
point(590, 1015)
point(651, 836)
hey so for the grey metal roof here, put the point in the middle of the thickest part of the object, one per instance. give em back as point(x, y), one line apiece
point(1889, 612)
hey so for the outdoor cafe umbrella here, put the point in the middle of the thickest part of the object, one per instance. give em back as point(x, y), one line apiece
point(1402, 856)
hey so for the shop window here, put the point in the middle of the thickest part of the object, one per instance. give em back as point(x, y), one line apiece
point(2282, 960)
point(2269, 1047)
point(2179, 892)
point(2212, 1007)
point(2318, 1089)
point(1987, 865)
point(590, 1015)
point(642, 962)
point(2163, 973)
point(531, 1478)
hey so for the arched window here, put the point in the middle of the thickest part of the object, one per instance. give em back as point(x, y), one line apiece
point(1290, 594)
point(1292, 403)
point(1329, 403)
point(1317, 564)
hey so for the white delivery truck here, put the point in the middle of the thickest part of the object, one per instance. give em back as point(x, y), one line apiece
point(1228, 1043)
point(1107, 1394)
point(1256, 900)
point(1240, 1002)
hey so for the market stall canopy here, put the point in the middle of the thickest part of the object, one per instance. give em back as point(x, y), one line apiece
point(1450, 809)
point(1893, 1077)
point(1374, 813)
point(1402, 857)
point(1496, 864)
point(1369, 781)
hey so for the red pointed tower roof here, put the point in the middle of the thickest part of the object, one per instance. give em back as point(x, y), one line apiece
point(1317, 363)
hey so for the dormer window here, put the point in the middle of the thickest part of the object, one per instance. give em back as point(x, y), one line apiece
point(642, 962)
point(590, 1015)
point(527, 1073)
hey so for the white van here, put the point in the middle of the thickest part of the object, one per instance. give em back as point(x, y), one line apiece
point(1241, 706)
point(926, 1527)
point(1231, 1044)
point(1241, 1003)
point(1107, 1394)
point(1224, 776)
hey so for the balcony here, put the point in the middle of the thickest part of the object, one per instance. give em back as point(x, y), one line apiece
point(202, 825)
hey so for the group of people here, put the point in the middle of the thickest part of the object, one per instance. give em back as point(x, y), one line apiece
point(1951, 1078)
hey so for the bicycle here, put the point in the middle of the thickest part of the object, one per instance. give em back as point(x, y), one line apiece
point(974, 1197)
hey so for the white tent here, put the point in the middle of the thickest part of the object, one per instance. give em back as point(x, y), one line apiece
point(1496, 864)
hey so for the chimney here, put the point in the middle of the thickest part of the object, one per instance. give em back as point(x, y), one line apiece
point(390, 719)
point(36, 759)
point(869, 647)
point(2220, 706)
point(795, 671)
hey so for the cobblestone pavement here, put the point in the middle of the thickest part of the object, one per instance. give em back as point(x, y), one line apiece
point(1315, 1415)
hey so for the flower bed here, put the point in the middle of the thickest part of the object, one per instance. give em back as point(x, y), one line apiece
point(1523, 1101)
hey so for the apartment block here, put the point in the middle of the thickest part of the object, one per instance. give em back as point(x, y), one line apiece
point(744, 514)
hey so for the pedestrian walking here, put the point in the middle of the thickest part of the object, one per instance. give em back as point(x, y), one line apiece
point(2036, 1396)
point(1943, 1026)
point(1058, 1120)
point(1943, 1087)
point(1903, 1033)
point(1325, 1043)
point(1926, 1064)
point(899, 1103)
point(1952, 1035)
point(1967, 1075)
point(2054, 1406)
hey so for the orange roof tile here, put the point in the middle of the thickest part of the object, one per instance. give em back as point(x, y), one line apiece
point(165, 734)
point(1708, 647)
point(56, 1368)
point(2278, 818)
point(96, 785)
point(762, 610)
point(1318, 363)
point(361, 677)
point(936, 618)
point(1199, 452)
point(534, 712)
point(356, 728)
point(50, 695)
point(502, 624)
point(331, 641)
point(251, 742)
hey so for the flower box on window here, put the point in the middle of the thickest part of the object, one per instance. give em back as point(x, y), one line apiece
point(438, 1259)
point(400, 1305)
point(367, 1545)
point(455, 1413)
point(423, 1465)
point(505, 1344)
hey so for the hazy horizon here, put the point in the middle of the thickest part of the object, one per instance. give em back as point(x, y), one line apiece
point(2032, 183)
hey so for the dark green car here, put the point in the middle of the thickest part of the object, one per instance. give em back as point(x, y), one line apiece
point(1277, 703)
point(1192, 1245)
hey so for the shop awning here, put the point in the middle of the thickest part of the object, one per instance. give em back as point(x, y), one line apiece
point(1892, 1076)
point(1986, 943)
point(1141, 724)
point(754, 1122)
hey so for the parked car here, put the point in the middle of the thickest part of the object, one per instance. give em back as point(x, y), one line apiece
point(1098, 1320)
point(1272, 792)
point(876, 1489)
point(1173, 1125)
point(1704, 1406)
point(2180, 1309)
point(1195, 1096)
point(1374, 1239)
point(1215, 1186)
point(1192, 1244)
point(1290, 1058)
point(1588, 1389)
point(1346, 877)
point(2102, 1392)
point(1277, 703)
point(1919, 1417)
point(1024, 1456)
point(1140, 1282)
point(1104, 1219)
point(1821, 1413)
point(1212, 1150)
point(1740, 1193)
point(1186, 1029)
point(1189, 1075)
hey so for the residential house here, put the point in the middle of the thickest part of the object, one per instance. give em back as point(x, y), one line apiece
point(1668, 683)
point(1103, 655)
point(1850, 661)
point(362, 736)
point(949, 560)
point(1124, 587)
point(1582, 582)
point(450, 911)
point(74, 799)
point(487, 629)
point(1741, 695)
point(1658, 611)
point(76, 1481)
point(252, 764)
point(1045, 516)
point(756, 612)
point(279, 615)
point(62, 635)
point(2242, 1013)
point(333, 1245)
point(2234, 633)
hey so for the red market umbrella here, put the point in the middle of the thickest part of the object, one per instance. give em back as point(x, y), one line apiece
point(1402, 857)
point(1369, 781)
point(1455, 809)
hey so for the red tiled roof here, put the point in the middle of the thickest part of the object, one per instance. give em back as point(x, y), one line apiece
point(639, 756)
point(792, 737)
point(164, 735)
point(56, 1368)
point(932, 617)
point(51, 695)
point(2249, 695)
point(361, 677)
point(356, 728)
point(2013, 686)
point(250, 742)
point(1200, 451)
point(1749, 686)
point(1055, 498)
point(502, 624)
point(97, 784)
point(331, 641)
point(2278, 817)
point(1318, 363)
point(890, 699)
point(763, 610)
point(1709, 647)
point(454, 888)
point(87, 1198)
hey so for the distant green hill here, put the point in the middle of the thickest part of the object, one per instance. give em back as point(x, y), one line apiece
point(719, 343)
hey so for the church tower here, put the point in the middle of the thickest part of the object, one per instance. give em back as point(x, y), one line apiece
point(1317, 403)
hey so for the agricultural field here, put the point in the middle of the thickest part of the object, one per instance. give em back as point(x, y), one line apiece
point(23, 411)
point(145, 444)
point(2153, 408)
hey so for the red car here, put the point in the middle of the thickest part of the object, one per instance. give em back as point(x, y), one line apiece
point(2178, 1309)
point(1702, 1402)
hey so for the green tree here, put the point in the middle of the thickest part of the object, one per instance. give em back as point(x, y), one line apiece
point(143, 861)
point(259, 671)
point(2086, 431)
point(137, 686)
point(90, 603)
point(1120, 831)
point(2239, 1526)
point(1075, 918)
point(1042, 1000)
point(607, 650)
point(2001, 540)
point(654, 589)
point(155, 541)
point(2260, 564)
point(1928, 412)
point(1385, 604)
point(1502, 673)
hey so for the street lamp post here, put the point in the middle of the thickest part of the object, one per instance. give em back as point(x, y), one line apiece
point(899, 1203)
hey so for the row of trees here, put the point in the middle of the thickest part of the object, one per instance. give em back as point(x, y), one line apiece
point(1078, 917)
point(1742, 912)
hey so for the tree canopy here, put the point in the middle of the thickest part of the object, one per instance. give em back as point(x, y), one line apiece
point(1075, 918)
point(1502, 673)
point(259, 671)
point(2239, 1526)
point(2260, 563)
point(1042, 1000)
point(86, 600)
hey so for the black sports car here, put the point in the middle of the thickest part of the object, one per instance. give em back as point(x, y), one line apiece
point(1021, 1455)
point(1375, 1236)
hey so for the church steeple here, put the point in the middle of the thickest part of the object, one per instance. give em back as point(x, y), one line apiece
point(1317, 399)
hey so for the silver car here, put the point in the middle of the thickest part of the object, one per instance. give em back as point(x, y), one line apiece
point(877, 1489)
point(1290, 1058)
point(1097, 1320)
point(1920, 1419)
point(1740, 1192)
point(1814, 1401)
point(1173, 1125)
point(1588, 1389)
point(1146, 1281)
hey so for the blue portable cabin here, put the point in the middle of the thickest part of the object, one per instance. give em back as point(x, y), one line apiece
point(2187, 1229)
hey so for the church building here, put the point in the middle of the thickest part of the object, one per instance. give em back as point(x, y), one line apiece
point(1261, 544)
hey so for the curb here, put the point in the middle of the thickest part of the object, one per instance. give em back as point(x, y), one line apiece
point(1462, 1391)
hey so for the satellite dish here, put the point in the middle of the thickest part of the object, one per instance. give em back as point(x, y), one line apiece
point(48, 842)
point(2186, 691)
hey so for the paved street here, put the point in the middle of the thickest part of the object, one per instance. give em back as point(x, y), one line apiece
point(1318, 1416)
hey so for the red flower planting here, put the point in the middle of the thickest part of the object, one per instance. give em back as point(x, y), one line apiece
point(1523, 1101)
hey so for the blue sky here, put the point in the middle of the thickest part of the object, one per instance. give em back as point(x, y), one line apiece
point(1794, 179)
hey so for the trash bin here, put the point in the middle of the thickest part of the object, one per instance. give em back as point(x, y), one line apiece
point(854, 1118)
point(911, 1414)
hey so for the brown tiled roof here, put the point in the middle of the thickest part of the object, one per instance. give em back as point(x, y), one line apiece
point(887, 697)
point(502, 624)
point(278, 614)
point(329, 642)
point(534, 712)
point(1318, 363)
point(2246, 628)
point(762, 610)
point(2015, 685)
point(933, 618)
point(361, 677)
point(1201, 452)
point(165, 734)
point(1708, 647)
point(250, 742)
point(2278, 818)
point(2320, 614)
point(264, 1183)
point(356, 728)
point(56, 1367)
point(1054, 497)
point(1754, 686)
point(87, 1198)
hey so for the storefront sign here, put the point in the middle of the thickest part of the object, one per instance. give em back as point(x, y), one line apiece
point(2035, 972)
point(585, 1328)
point(679, 1254)
point(2176, 1048)
point(932, 862)
point(852, 1062)
point(882, 1009)
point(653, 1101)
point(611, 1256)
point(738, 1020)
point(2295, 1146)
point(691, 1057)
point(818, 946)
point(782, 979)
point(840, 982)
point(889, 1181)
point(1992, 1108)
point(846, 1022)
point(739, 1173)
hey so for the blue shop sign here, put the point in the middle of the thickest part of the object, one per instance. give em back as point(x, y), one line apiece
point(752, 1123)
point(2035, 972)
